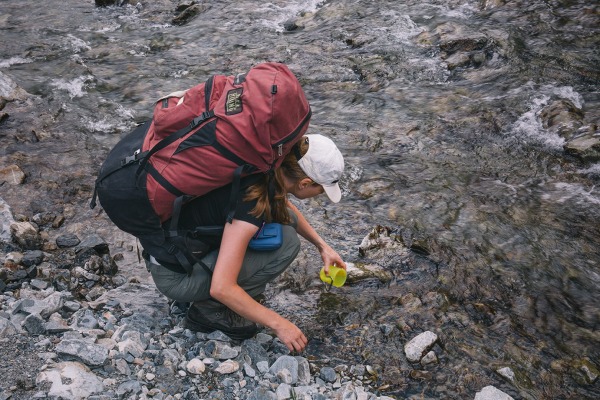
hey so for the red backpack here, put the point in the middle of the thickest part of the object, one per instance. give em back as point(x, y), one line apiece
point(198, 140)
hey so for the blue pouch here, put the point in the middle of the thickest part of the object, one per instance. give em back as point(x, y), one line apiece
point(268, 237)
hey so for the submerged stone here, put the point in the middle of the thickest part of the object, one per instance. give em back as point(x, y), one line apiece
point(491, 393)
point(417, 346)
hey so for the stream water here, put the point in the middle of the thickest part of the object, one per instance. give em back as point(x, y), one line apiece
point(438, 108)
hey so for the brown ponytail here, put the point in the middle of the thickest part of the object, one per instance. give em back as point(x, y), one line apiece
point(276, 210)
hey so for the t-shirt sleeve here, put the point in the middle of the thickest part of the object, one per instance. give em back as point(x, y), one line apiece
point(243, 210)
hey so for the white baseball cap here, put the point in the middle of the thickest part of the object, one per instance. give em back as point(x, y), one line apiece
point(324, 164)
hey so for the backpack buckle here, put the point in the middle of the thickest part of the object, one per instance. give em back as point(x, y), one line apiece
point(132, 158)
point(201, 118)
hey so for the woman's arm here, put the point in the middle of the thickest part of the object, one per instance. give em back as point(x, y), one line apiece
point(224, 286)
point(329, 256)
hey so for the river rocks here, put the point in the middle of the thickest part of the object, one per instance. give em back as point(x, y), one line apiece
point(491, 393)
point(585, 144)
point(419, 345)
point(9, 90)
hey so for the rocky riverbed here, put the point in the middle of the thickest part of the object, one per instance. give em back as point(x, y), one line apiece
point(470, 218)
point(72, 326)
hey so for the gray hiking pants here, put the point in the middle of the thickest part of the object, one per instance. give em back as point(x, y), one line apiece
point(258, 269)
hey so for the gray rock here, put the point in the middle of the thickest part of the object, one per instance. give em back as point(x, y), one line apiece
point(68, 240)
point(254, 350)
point(84, 319)
point(218, 335)
point(284, 392)
point(304, 377)
point(70, 380)
point(6, 328)
point(285, 362)
point(262, 366)
point(249, 371)
point(284, 376)
point(32, 257)
point(39, 284)
point(491, 393)
point(328, 374)
point(129, 389)
point(220, 350)
point(262, 393)
point(89, 353)
point(34, 324)
point(507, 373)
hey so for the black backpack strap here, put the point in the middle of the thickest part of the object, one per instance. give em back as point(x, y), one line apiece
point(179, 248)
point(234, 196)
point(208, 87)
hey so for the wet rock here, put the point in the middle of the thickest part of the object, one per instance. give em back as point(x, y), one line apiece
point(589, 370)
point(190, 13)
point(9, 90)
point(107, 3)
point(12, 175)
point(585, 144)
point(491, 393)
point(70, 380)
point(562, 117)
point(417, 346)
point(358, 272)
point(429, 358)
point(454, 37)
point(507, 373)
point(382, 238)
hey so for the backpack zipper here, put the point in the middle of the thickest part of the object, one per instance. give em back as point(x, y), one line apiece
point(279, 145)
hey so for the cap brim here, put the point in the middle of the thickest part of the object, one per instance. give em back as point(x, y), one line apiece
point(333, 192)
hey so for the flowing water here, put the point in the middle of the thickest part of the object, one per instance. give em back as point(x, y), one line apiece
point(438, 108)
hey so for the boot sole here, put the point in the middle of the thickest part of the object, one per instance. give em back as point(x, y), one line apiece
point(233, 333)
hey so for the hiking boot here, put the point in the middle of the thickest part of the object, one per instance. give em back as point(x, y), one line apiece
point(208, 316)
point(178, 308)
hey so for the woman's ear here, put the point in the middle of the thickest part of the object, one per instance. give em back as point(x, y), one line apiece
point(304, 183)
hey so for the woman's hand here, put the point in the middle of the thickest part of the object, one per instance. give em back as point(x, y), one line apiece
point(290, 335)
point(331, 257)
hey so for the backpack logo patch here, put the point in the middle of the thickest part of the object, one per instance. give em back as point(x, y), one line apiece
point(233, 105)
